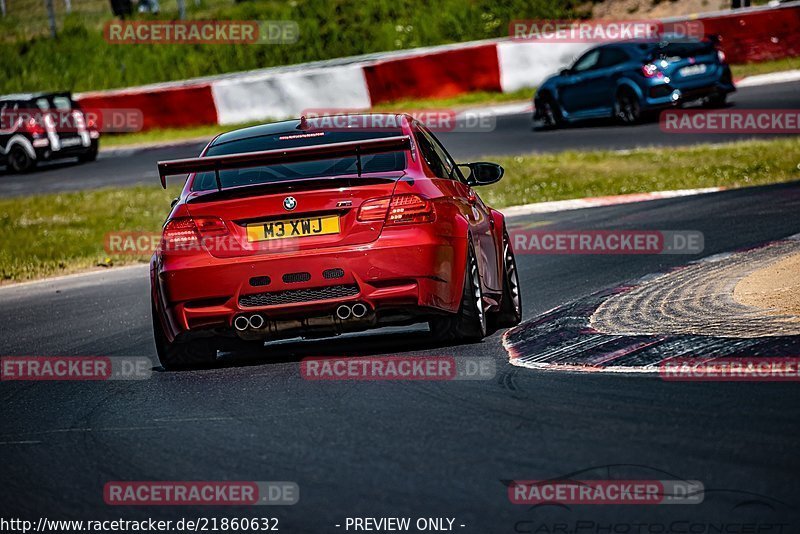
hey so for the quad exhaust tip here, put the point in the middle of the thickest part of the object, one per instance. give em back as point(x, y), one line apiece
point(356, 311)
point(242, 322)
point(344, 312)
point(359, 310)
point(256, 321)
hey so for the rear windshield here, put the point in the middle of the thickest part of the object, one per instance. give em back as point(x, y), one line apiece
point(59, 102)
point(684, 49)
point(390, 161)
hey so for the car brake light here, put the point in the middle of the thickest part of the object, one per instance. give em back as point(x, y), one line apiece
point(33, 127)
point(179, 233)
point(373, 210)
point(651, 71)
point(185, 232)
point(721, 55)
point(409, 209)
point(400, 209)
point(211, 226)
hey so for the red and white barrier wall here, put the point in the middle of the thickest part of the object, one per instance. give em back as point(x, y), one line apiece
point(504, 65)
point(441, 73)
point(287, 94)
point(162, 106)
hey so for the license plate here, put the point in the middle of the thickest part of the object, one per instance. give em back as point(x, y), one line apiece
point(71, 141)
point(692, 70)
point(286, 228)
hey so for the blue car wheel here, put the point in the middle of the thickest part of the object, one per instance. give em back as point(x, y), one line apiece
point(627, 108)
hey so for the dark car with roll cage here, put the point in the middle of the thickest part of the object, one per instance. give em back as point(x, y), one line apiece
point(38, 127)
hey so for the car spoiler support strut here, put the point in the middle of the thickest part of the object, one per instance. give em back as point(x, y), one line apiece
point(287, 155)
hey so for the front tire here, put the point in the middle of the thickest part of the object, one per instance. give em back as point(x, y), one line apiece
point(469, 323)
point(550, 114)
point(182, 355)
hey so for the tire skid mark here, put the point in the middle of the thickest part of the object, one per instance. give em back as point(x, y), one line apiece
point(687, 299)
point(698, 299)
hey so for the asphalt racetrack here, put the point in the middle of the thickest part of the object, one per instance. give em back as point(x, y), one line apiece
point(512, 135)
point(407, 448)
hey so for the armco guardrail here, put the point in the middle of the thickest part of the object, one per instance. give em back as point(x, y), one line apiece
point(504, 65)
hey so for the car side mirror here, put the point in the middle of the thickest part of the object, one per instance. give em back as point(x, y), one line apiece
point(565, 72)
point(483, 172)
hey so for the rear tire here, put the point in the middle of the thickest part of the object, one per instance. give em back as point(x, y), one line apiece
point(469, 323)
point(19, 160)
point(91, 155)
point(510, 312)
point(717, 100)
point(182, 355)
point(627, 108)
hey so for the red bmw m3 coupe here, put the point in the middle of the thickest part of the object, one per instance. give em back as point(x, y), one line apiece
point(304, 228)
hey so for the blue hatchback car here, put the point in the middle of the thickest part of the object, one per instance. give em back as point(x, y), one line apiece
point(626, 79)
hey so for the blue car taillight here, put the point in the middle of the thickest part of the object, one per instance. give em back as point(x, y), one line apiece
point(649, 70)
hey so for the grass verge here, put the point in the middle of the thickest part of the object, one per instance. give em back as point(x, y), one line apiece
point(54, 234)
point(574, 174)
point(168, 135)
point(765, 67)
point(62, 233)
point(478, 98)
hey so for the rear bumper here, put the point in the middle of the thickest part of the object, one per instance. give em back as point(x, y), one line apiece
point(45, 152)
point(675, 97)
point(659, 95)
point(411, 270)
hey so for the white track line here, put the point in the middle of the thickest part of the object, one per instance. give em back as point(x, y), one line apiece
point(594, 202)
point(770, 78)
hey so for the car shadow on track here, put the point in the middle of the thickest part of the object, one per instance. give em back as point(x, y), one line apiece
point(363, 344)
point(45, 166)
point(648, 117)
point(581, 125)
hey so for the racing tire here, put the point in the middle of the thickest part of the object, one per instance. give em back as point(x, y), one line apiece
point(19, 160)
point(551, 118)
point(627, 109)
point(91, 155)
point(182, 355)
point(510, 312)
point(469, 323)
point(718, 100)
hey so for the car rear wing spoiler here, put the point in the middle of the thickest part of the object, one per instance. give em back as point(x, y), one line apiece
point(285, 155)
